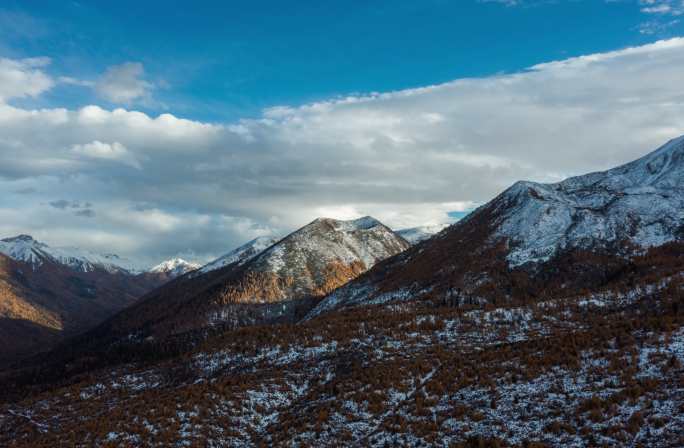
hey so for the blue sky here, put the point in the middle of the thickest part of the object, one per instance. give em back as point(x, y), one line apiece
point(154, 129)
point(220, 61)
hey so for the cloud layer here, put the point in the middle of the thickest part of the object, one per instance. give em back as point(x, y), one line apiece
point(158, 186)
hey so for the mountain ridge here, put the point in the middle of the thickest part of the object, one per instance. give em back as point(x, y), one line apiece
point(279, 284)
point(43, 301)
point(26, 249)
point(614, 214)
point(240, 254)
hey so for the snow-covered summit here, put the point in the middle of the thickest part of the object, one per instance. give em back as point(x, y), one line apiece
point(327, 240)
point(333, 238)
point(26, 249)
point(662, 168)
point(23, 248)
point(312, 260)
point(175, 267)
point(641, 202)
point(363, 223)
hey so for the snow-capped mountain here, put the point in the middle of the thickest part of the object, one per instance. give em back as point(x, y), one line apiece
point(26, 249)
point(570, 290)
point(307, 254)
point(535, 237)
point(47, 294)
point(281, 282)
point(641, 202)
point(415, 235)
point(241, 254)
point(175, 267)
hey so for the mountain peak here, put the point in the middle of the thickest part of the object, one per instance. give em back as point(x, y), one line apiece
point(659, 169)
point(672, 146)
point(23, 238)
point(363, 223)
point(175, 267)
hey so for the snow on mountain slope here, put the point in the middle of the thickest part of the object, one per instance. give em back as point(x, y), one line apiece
point(641, 202)
point(415, 235)
point(26, 249)
point(175, 267)
point(325, 241)
point(280, 283)
point(312, 261)
point(618, 213)
point(241, 254)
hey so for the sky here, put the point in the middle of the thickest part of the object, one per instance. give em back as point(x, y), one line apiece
point(156, 129)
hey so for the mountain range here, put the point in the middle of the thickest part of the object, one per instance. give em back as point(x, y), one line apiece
point(48, 294)
point(550, 316)
point(279, 284)
point(519, 244)
point(319, 257)
point(24, 248)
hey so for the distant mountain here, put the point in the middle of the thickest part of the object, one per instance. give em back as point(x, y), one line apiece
point(241, 254)
point(415, 235)
point(281, 283)
point(25, 249)
point(175, 267)
point(47, 294)
point(535, 239)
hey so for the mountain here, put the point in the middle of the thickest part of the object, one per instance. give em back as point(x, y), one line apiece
point(597, 370)
point(175, 267)
point(241, 254)
point(280, 284)
point(534, 239)
point(25, 324)
point(26, 249)
point(48, 294)
point(514, 329)
point(415, 235)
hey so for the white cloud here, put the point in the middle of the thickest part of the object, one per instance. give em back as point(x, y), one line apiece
point(124, 83)
point(406, 157)
point(662, 7)
point(661, 11)
point(664, 15)
point(107, 151)
point(652, 27)
point(21, 78)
